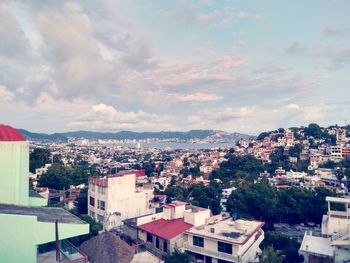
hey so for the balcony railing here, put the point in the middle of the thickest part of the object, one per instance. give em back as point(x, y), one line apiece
point(68, 254)
point(211, 253)
point(248, 255)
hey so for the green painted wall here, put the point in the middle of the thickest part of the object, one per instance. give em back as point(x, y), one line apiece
point(14, 164)
point(20, 236)
point(35, 201)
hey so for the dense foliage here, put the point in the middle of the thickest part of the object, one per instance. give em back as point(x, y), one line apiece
point(38, 158)
point(198, 195)
point(62, 177)
point(238, 167)
point(285, 248)
point(263, 202)
point(178, 256)
point(94, 229)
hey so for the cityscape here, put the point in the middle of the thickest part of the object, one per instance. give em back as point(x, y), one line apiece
point(175, 131)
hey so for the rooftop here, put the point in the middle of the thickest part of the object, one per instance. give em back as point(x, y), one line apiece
point(9, 134)
point(317, 245)
point(338, 200)
point(174, 204)
point(238, 231)
point(44, 214)
point(166, 229)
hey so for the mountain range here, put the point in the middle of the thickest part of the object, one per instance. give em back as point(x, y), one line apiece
point(213, 135)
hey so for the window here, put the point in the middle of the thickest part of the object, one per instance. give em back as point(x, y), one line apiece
point(92, 214)
point(157, 242)
point(208, 259)
point(92, 201)
point(149, 238)
point(100, 218)
point(101, 205)
point(101, 190)
point(165, 247)
point(225, 247)
point(198, 241)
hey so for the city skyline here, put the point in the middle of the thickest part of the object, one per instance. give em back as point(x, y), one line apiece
point(238, 66)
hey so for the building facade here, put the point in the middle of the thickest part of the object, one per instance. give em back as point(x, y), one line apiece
point(25, 222)
point(119, 195)
point(334, 244)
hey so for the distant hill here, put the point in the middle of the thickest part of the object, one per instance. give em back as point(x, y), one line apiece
point(129, 135)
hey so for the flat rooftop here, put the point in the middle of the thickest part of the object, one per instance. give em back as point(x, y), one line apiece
point(317, 245)
point(238, 231)
point(44, 214)
point(338, 200)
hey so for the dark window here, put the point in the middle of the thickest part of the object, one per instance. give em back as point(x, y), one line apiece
point(208, 259)
point(223, 261)
point(225, 247)
point(198, 241)
point(101, 205)
point(165, 247)
point(157, 242)
point(92, 201)
point(149, 238)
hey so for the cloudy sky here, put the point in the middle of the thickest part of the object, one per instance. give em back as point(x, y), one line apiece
point(142, 65)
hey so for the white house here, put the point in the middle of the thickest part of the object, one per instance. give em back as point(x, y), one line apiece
point(118, 196)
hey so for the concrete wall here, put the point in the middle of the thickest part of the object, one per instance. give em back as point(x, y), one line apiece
point(196, 218)
point(14, 165)
point(121, 196)
point(20, 236)
point(35, 201)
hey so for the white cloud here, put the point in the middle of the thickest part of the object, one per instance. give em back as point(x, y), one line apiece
point(106, 117)
point(6, 95)
point(293, 106)
point(196, 97)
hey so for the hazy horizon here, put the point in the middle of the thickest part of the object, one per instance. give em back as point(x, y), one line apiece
point(236, 66)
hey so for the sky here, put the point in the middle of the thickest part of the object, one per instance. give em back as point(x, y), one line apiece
point(239, 66)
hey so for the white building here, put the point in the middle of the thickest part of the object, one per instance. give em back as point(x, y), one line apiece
point(334, 245)
point(120, 196)
point(226, 241)
point(206, 238)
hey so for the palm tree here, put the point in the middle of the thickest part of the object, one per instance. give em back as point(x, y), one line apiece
point(269, 255)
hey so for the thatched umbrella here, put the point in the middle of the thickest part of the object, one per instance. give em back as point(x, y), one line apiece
point(107, 248)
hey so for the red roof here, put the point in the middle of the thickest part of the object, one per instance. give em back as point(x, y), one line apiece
point(9, 134)
point(166, 229)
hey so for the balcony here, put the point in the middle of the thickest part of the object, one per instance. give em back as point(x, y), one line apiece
point(68, 254)
point(211, 253)
point(247, 256)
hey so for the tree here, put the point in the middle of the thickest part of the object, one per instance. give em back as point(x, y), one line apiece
point(313, 130)
point(269, 255)
point(328, 164)
point(38, 158)
point(81, 202)
point(287, 247)
point(178, 256)
point(94, 229)
point(61, 177)
point(263, 135)
point(295, 150)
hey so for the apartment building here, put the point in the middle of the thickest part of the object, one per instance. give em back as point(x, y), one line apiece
point(120, 196)
point(334, 244)
point(208, 238)
point(223, 241)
